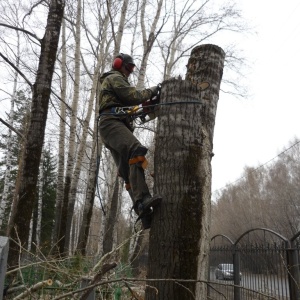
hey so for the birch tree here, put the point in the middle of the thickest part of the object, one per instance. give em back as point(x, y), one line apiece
point(80, 154)
point(10, 160)
point(119, 34)
point(40, 203)
point(62, 136)
point(72, 137)
point(7, 185)
point(148, 38)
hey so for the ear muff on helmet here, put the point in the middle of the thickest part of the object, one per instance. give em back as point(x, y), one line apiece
point(117, 63)
point(123, 59)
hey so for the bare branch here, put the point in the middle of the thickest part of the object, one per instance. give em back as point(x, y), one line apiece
point(34, 6)
point(22, 30)
point(16, 69)
point(12, 128)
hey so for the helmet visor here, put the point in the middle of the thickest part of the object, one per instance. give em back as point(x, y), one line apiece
point(130, 67)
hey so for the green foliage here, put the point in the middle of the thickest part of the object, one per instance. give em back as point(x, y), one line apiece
point(49, 197)
point(48, 185)
point(11, 144)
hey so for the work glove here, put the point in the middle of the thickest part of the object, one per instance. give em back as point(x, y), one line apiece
point(154, 90)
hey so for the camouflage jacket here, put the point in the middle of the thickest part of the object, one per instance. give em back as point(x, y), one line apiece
point(115, 91)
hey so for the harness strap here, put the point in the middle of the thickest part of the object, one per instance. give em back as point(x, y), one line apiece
point(138, 159)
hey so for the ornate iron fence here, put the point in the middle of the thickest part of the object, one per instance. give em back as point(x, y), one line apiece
point(265, 266)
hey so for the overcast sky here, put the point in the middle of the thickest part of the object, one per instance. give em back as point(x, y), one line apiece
point(254, 130)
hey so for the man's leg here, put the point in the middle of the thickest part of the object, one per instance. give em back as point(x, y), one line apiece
point(144, 201)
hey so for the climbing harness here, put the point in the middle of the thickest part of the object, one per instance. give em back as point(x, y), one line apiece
point(147, 111)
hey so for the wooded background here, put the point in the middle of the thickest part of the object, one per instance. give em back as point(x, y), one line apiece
point(65, 212)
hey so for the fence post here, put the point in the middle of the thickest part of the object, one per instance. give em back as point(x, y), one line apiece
point(236, 270)
point(4, 244)
point(293, 271)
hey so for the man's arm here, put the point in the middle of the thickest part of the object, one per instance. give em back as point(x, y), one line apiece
point(127, 94)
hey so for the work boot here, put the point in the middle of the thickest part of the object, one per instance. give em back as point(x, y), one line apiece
point(146, 220)
point(145, 209)
point(147, 202)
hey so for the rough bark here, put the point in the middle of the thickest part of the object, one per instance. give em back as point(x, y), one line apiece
point(26, 193)
point(179, 236)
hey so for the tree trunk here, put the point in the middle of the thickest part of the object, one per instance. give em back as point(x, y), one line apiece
point(120, 32)
point(40, 204)
point(80, 156)
point(89, 201)
point(7, 184)
point(179, 236)
point(95, 156)
point(62, 136)
point(26, 192)
point(147, 41)
point(111, 220)
point(72, 140)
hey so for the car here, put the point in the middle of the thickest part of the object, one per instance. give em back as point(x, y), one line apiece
point(225, 271)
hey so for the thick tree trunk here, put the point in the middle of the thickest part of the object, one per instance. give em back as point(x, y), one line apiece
point(26, 192)
point(206, 64)
point(179, 236)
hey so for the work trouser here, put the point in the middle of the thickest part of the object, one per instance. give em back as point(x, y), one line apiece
point(124, 146)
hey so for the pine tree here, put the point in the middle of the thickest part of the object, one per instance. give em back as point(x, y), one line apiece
point(20, 120)
point(43, 237)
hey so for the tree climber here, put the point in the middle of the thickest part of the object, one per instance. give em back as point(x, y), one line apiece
point(116, 132)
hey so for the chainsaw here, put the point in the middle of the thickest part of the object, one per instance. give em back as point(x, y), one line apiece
point(148, 110)
point(150, 107)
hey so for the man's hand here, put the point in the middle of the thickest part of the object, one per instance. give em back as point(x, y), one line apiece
point(154, 90)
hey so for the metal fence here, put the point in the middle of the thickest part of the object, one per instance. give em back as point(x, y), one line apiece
point(4, 244)
point(265, 266)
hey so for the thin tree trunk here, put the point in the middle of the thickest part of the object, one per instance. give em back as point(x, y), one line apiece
point(89, 202)
point(81, 151)
point(65, 215)
point(40, 204)
point(62, 134)
point(111, 219)
point(7, 183)
point(90, 192)
point(147, 41)
point(179, 236)
point(28, 175)
point(95, 157)
point(119, 34)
